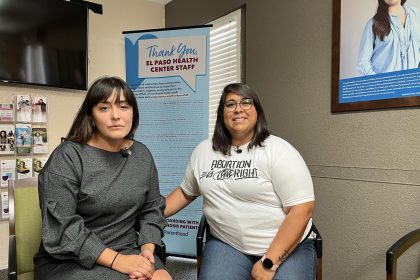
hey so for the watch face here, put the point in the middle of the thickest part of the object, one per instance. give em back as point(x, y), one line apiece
point(267, 263)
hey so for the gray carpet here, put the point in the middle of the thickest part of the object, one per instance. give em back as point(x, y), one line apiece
point(3, 274)
point(179, 268)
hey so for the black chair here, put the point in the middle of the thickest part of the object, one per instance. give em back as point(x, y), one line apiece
point(203, 234)
point(397, 249)
point(318, 249)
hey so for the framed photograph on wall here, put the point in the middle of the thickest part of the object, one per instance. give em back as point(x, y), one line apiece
point(376, 55)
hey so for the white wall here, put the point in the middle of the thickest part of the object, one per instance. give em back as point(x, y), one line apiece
point(106, 57)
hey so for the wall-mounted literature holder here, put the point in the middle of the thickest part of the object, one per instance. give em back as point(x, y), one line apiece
point(23, 140)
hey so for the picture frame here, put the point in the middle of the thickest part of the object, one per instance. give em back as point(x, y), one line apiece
point(353, 91)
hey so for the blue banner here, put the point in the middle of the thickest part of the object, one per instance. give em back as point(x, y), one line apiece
point(389, 85)
point(168, 71)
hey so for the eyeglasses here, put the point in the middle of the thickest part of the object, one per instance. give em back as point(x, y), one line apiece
point(245, 104)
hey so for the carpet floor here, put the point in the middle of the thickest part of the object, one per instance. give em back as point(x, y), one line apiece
point(3, 274)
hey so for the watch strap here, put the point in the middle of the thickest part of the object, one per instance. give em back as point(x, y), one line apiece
point(273, 267)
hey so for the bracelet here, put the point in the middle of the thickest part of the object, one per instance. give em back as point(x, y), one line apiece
point(112, 263)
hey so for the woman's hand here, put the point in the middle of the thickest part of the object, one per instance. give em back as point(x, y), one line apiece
point(148, 255)
point(260, 273)
point(136, 266)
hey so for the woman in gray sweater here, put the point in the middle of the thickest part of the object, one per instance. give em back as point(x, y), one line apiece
point(99, 194)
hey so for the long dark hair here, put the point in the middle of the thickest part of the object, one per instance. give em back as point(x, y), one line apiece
point(221, 137)
point(381, 21)
point(82, 127)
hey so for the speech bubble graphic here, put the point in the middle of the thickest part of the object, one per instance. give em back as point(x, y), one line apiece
point(180, 56)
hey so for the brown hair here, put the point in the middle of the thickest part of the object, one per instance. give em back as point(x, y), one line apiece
point(221, 137)
point(381, 26)
point(82, 127)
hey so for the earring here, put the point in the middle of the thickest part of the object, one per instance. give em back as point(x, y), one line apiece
point(93, 124)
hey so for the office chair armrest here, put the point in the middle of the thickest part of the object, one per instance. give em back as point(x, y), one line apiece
point(318, 241)
point(12, 270)
point(203, 234)
point(203, 231)
point(399, 247)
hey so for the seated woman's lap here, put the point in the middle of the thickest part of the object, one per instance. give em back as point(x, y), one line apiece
point(70, 270)
point(301, 264)
point(221, 261)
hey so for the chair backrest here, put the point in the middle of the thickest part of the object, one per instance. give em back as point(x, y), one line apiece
point(318, 249)
point(203, 234)
point(25, 221)
point(397, 249)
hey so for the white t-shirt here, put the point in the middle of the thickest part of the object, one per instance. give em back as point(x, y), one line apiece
point(244, 194)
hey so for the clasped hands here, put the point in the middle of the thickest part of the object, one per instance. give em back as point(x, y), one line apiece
point(139, 267)
point(260, 273)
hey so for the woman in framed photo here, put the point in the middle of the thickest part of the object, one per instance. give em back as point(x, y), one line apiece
point(391, 39)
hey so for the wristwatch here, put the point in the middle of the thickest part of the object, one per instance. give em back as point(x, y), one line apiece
point(268, 264)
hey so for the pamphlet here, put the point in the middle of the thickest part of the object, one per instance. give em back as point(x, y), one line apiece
point(23, 138)
point(23, 168)
point(40, 140)
point(39, 109)
point(7, 139)
point(23, 108)
point(6, 112)
point(4, 205)
point(7, 170)
point(38, 164)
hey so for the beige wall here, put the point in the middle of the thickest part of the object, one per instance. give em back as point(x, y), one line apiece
point(106, 57)
point(365, 165)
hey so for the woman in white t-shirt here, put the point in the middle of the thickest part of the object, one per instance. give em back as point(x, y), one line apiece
point(257, 196)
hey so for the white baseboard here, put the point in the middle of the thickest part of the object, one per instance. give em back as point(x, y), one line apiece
point(3, 265)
